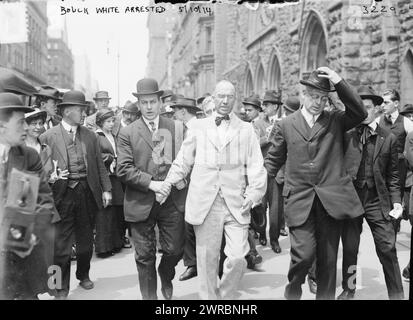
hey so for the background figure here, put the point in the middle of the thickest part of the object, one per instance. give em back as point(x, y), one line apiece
point(91, 108)
point(102, 100)
point(47, 99)
point(110, 220)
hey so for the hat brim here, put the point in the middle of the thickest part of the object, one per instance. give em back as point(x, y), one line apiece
point(290, 109)
point(272, 101)
point(184, 106)
point(252, 104)
point(17, 108)
point(94, 98)
point(377, 100)
point(310, 84)
point(159, 93)
point(71, 104)
point(36, 114)
point(48, 96)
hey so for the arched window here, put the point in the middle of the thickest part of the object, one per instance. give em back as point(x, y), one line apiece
point(260, 83)
point(407, 79)
point(274, 77)
point(249, 85)
point(313, 46)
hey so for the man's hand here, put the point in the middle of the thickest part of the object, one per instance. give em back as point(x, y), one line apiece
point(107, 198)
point(397, 211)
point(163, 193)
point(180, 184)
point(155, 186)
point(329, 74)
point(246, 207)
point(23, 254)
point(58, 175)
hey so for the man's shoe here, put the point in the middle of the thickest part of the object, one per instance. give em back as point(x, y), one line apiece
point(406, 273)
point(167, 290)
point(62, 295)
point(189, 273)
point(283, 232)
point(104, 255)
point(126, 243)
point(346, 295)
point(86, 284)
point(275, 246)
point(312, 285)
point(253, 260)
point(263, 240)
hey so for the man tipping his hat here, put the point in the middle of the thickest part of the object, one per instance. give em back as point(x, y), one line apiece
point(317, 190)
point(86, 189)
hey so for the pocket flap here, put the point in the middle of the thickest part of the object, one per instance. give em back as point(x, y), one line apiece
point(286, 191)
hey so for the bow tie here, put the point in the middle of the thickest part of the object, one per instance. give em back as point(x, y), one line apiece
point(365, 132)
point(218, 120)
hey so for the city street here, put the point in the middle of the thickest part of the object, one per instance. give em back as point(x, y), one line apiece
point(116, 278)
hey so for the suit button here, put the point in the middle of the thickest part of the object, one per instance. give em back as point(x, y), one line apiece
point(311, 164)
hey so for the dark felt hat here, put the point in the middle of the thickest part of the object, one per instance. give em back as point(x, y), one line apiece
point(130, 107)
point(253, 101)
point(73, 98)
point(407, 108)
point(272, 96)
point(202, 98)
point(177, 101)
point(166, 94)
point(11, 101)
point(10, 82)
point(147, 86)
point(49, 92)
point(367, 92)
point(292, 104)
point(317, 82)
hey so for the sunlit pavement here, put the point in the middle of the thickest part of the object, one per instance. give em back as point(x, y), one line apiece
point(117, 278)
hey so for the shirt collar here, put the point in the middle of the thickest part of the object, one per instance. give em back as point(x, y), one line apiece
point(394, 115)
point(307, 115)
point(4, 151)
point(373, 125)
point(156, 121)
point(122, 123)
point(68, 127)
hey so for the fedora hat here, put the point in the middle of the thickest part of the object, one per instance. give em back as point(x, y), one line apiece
point(367, 92)
point(73, 98)
point(272, 96)
point(36, 113)
point(292, 104)
point(177, 101)
point(130, 107)
point(317, 82)
point(10, 82)
point(202, 98)
point(11, 101)
point(49, 92)
point(407, 108)
point(253, 101)
point(101, 95)
point(166, 94)
point(147, 86)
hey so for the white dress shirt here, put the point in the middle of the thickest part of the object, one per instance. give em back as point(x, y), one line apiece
point(69, 128)
point(4, 152)
point(223, 127)
point(155, 121)
point(310, 118)
point(122, 124)
point(408, 124)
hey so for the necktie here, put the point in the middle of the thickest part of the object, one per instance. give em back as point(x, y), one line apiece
point(71, 134)
point(312, 121)
point(152, 124)
point(218, 120)
point(387, 118)
point(365, 132)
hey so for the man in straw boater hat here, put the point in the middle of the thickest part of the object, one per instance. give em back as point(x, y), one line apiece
point(102, 100)
point(79, 195)
point(23, 274)
point(372, 162)
point(317, 190)
point(222, 154)
point(47, 99)
point(146, 149)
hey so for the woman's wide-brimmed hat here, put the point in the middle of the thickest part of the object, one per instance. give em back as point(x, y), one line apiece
point(36, 113)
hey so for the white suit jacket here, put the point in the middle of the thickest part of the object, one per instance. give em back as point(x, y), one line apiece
point(236, 167)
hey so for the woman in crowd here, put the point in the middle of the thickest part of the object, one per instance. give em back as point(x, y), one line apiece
point(109, 221)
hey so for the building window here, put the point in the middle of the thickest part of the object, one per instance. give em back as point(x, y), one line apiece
point(274, 77)
point(260, 87)
point(208, 40)
point(249, 85)
point(313, 46)
point(407, 79)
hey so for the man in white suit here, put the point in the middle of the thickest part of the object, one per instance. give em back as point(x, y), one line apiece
point(227, 179)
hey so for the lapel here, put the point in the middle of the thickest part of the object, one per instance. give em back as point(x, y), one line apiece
point(212, 133)
point(233, 130)
point(320, 124)
point(379, 143)
point(144, 132)
point(300, 125)
point(356, 149)
point(83, 142)
point(60, 143)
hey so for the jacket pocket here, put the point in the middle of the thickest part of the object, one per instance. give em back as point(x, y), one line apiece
point(286, 191)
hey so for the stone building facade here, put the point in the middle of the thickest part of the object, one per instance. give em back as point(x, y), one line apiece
point(265, 46)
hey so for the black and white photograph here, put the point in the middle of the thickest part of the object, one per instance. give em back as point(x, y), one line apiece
point(224, 151)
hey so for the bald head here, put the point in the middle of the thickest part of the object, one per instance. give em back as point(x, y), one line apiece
point(224, 97)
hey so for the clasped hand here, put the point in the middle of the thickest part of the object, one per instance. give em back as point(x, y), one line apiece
point(161, 189)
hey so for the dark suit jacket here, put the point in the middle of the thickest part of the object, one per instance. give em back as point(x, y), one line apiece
point(97, 176)
point(314, 160)
point(261, 126)
point(27, 159)
point(117, 125)
point(136, 168)
point(385, 166)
